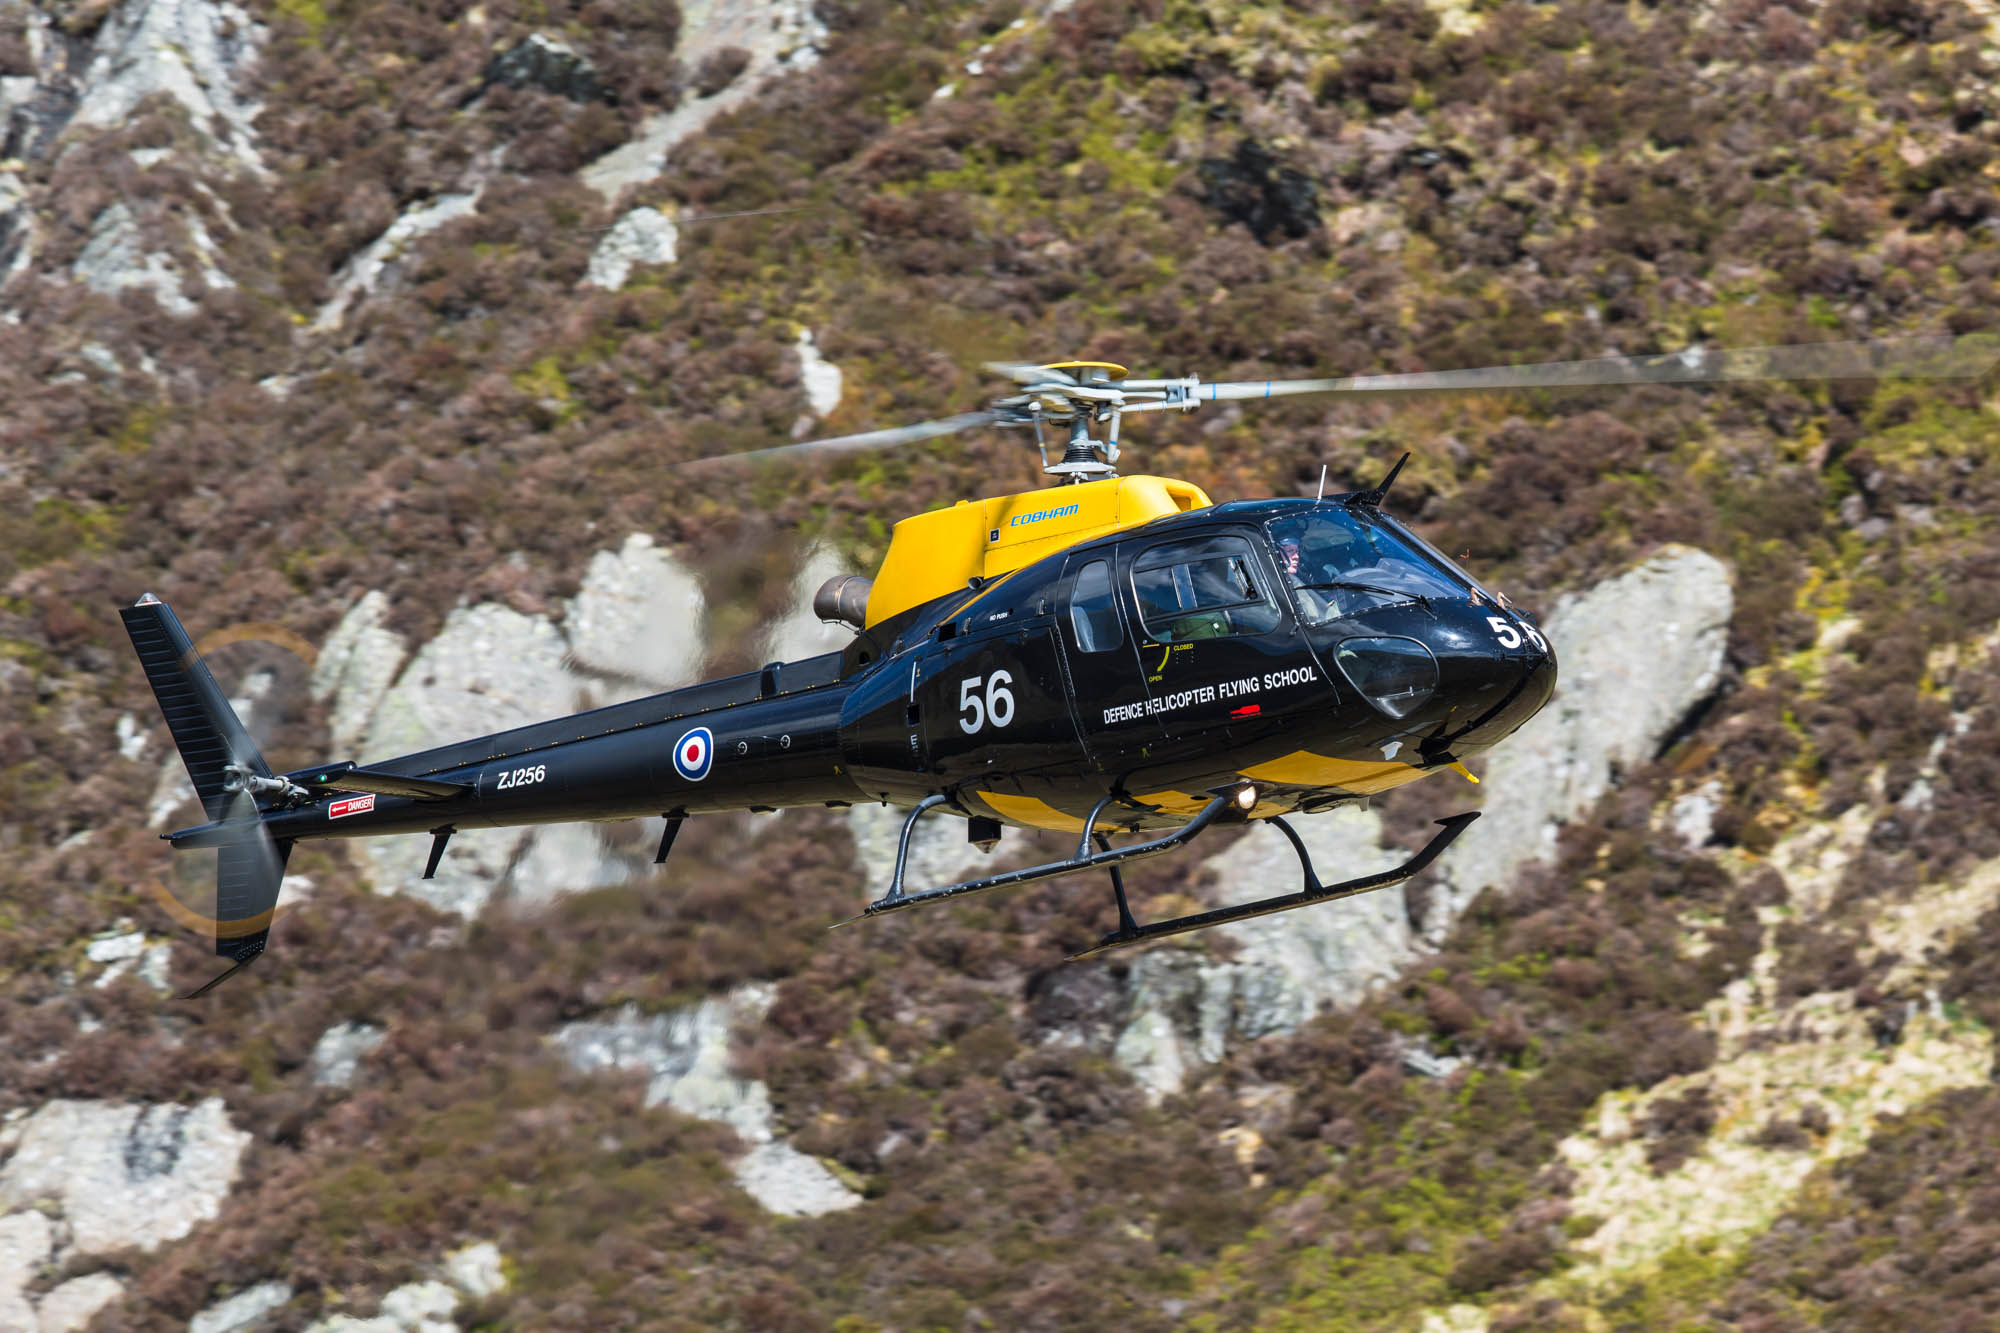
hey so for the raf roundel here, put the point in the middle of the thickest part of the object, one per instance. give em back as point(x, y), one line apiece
point(694, 754)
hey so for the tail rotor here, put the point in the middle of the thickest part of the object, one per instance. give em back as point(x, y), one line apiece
point(229, 775)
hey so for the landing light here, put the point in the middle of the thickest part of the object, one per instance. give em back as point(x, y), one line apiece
point(1246, 797)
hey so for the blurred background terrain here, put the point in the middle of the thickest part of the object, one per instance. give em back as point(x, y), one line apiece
point(371, 334)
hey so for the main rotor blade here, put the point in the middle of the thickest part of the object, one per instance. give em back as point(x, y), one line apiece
point(872, 439)
point(1940, 357)
point(1028, 373)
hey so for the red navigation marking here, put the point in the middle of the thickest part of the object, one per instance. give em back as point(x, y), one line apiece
point(1247, 710)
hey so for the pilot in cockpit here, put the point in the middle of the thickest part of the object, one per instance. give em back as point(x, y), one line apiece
point(1338, 565)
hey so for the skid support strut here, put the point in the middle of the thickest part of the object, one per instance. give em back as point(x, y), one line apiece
point(895, 900)
point(1313, 892)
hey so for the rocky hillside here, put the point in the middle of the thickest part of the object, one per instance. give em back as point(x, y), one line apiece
point(373, 336)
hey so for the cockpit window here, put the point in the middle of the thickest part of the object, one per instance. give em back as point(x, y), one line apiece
point(1208, 588)
point(1339, 563)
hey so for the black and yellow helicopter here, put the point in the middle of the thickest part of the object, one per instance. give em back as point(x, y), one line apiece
point(1109, 654)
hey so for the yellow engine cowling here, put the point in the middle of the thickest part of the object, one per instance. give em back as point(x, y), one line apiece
point(940, 552)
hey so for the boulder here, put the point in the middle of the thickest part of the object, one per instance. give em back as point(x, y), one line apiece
point(76, 1302)
point(476, 1270)
point(632, 630)
point(939, 852)
point(799, 633)
point(123, 1175)
point(1283, 970)
point(243, 1310)
point(547, 63)
point(355, 669)
point(26, 1243)
point(489, 668)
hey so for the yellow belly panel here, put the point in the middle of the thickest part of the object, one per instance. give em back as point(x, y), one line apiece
point(1302, 768)
point(1028, 811)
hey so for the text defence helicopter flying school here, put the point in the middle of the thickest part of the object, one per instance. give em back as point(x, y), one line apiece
point(1110, 654)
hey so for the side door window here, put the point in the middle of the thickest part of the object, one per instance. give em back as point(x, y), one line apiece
point(1208, 588)
point(1113, 705)
point(1093, 612)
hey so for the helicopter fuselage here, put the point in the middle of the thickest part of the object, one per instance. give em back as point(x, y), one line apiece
point(1314, 649)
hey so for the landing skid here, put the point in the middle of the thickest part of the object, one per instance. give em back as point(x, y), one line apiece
point(1110, 858)
point(1129, 934)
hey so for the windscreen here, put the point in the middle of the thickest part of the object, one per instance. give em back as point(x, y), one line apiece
point(1339, 562)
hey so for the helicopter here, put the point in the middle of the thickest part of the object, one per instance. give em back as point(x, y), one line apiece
point(1107, 655)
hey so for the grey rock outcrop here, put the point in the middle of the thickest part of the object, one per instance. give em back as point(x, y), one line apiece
point(196, 52)
point(821, 378)
point(798, 632)
point(37, 104)
point(339, 1051)
point(122, 951)
point(635, 622)
point(645, 235)
point(355, 669)
point(777, 35)
point(377, 263)
point(243, 1310)
point(489, 668)
point(633, 629)
point(1186, 1007)
point(1638, 651)
point(116, 258)
point(120, 1175)
point(687, 1055)
point(476, 1270)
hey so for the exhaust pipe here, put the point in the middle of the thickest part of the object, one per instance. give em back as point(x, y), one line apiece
point(844, 598)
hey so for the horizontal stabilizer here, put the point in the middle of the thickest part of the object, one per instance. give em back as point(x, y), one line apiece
point(350, 778)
